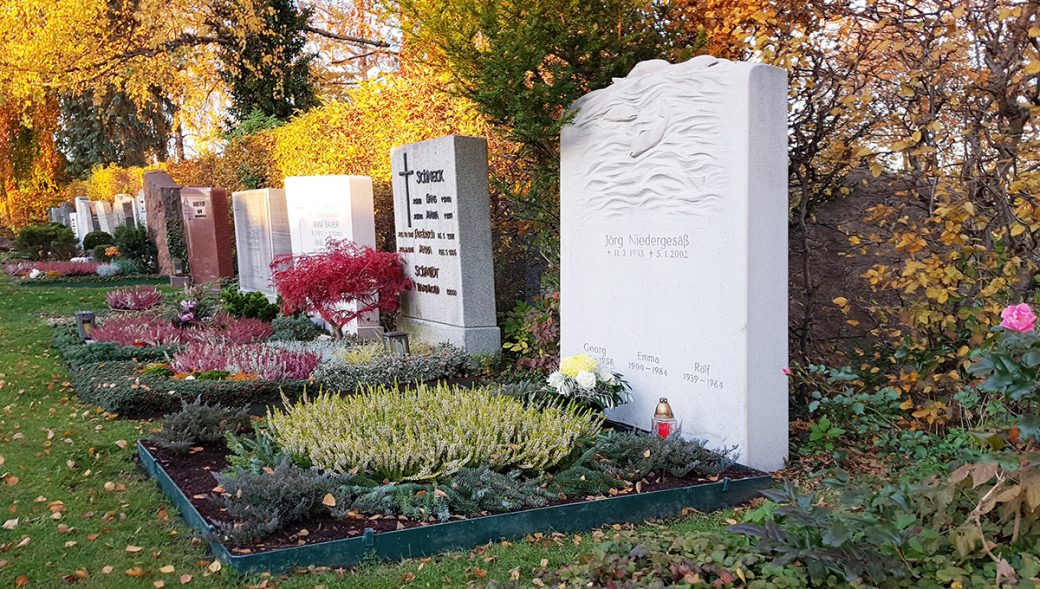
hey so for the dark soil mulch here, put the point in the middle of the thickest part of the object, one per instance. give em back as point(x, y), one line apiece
point(192, 472)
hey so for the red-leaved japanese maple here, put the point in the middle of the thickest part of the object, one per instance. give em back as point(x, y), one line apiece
point(325, 282)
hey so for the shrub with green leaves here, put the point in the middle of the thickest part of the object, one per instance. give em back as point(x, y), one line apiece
point(296, 327)
point(256, 452)
point(198, 423)
point(49, 241)
point(127, 266)
point(78, 353)
point(428, 432)
point(253, 305)
point(100, 254)
point(469, 492)
point(94, 239)
point(135, 247)
point(120, 387)
point(442, 361)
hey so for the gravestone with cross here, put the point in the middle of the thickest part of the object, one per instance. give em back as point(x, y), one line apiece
point(443, 228)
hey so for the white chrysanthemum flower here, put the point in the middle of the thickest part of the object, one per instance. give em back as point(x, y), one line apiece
point(586, 380)
point(605, 375)
point(556, 380)
point(566, 388)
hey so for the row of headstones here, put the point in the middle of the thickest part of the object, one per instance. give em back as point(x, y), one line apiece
point(443, 233)
point(673, 244)
point(85, 216)
point(673, 240)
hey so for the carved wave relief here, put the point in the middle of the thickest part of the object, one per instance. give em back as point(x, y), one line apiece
point(653, 141)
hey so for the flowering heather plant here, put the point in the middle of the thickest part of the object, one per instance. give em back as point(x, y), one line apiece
point(134, 299)
point(428, 432)
point(131, 330)
point(345, 272)
point(78, 268)
point(235, 330)
point(269, 363)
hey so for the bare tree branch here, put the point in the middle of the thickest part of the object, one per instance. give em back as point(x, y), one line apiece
point(347, 38)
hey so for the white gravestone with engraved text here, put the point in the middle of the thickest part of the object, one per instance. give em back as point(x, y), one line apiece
point(140, 210)
point(261, 235)
point(84, 218)
point(674, 247)
point(123, 209)
point(106, 217)
point(443, 228)
point(337, 207)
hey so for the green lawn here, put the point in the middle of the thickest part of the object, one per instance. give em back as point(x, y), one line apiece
point(79, 510)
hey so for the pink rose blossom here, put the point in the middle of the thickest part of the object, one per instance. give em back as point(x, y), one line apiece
point(1018, 318)
point(788, 372)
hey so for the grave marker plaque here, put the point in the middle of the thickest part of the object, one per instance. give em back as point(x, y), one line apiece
point(123, 209)
point(140, 210)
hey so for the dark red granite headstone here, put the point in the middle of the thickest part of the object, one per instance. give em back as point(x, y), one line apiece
point(162, 200)
point(207, 231)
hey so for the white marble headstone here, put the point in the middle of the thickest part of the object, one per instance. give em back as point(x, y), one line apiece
point(123, 210)
point(107, 218)
point(140, 210)
point(261, 235)
point(84, 218)
point(337, 207)
point(443, 228)
point(674, 247)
